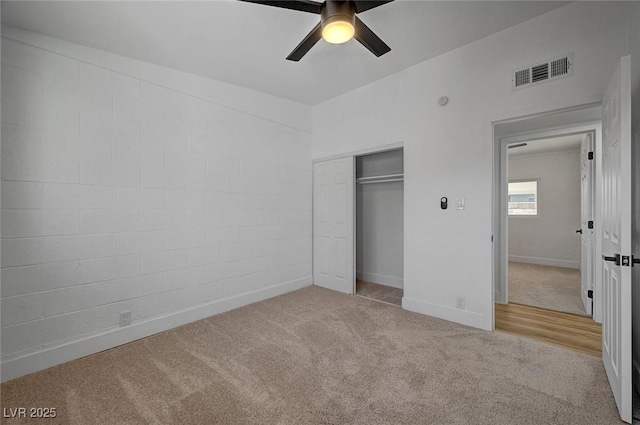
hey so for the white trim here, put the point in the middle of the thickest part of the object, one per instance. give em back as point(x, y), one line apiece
point(360, 152)
point(528, 113)
point(500, 217)
point(545, 261)
point(354, 222)
point(489, 132)
point(464, 317)
point(40, 360)
point(394, 282)
point(538, 154)
point(568, 130)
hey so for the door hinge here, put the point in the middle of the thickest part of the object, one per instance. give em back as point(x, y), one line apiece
point(590, 293)
point(590, 155)
point(590, 224)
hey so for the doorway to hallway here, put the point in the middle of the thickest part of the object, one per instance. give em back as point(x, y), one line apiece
point(549, 225)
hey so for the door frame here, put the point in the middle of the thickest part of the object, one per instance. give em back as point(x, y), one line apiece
point(356, 155)
point(500, 179)
point(352, 155)
point(592, 129)
point(587, 211)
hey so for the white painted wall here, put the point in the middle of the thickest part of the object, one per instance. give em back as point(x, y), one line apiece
point(380, 220)
point(379, 242)
point(448, 150)
point(548, 238)
point(131, 187)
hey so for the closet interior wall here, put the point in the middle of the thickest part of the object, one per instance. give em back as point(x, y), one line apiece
point(380, 218)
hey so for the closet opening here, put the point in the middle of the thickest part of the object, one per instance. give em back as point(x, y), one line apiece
point(379, 217)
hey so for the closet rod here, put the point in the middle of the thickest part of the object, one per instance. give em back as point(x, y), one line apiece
point(381, 181)
point(387, 176)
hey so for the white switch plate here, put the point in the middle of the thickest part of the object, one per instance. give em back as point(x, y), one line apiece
point(459, 203)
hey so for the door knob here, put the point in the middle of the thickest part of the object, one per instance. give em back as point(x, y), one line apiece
point(579, 231)
point(615, 259)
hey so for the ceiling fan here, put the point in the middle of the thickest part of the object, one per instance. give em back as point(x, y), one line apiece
point(338, 23)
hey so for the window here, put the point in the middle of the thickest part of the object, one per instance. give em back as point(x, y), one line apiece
point(523, 198)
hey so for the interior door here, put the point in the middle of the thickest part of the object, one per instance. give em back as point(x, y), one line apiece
point(587, 242)
point(616, 236)
point(333, 215)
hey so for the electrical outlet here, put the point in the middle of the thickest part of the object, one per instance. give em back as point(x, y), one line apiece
point(125, 318)
point(460, 303)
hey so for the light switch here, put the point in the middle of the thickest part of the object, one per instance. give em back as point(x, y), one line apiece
point(459, 203)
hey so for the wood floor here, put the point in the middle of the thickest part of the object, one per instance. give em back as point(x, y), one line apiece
point(567, 330)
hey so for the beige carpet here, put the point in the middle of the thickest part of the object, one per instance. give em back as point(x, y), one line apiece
point(316, 356)
point(379, 292)
point(553, 288)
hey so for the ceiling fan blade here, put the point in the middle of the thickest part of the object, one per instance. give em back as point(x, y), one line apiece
point(305, 45)
point(301, 5)
point(363, 6)
point(368, 39)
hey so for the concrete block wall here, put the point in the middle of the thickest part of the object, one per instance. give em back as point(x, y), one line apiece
point(122, 191)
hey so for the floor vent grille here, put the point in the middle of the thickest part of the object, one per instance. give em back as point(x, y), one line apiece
point(542, 72)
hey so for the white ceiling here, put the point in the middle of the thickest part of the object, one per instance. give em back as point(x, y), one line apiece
point(246, 44)
point(555, 144)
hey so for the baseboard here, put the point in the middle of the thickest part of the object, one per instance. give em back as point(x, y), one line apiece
point(545, 261)
point(451, 314)
point(380, 279)
point(40, 360)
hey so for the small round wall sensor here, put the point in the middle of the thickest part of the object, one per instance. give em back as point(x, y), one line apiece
point(443, 100)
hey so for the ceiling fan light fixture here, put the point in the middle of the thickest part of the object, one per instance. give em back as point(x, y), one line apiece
point(338, 31)
point(338, 21)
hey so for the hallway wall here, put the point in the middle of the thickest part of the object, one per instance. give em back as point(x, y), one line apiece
point(548, 238)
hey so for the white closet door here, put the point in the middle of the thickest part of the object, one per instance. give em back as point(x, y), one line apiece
point(333, 249)
point(616, 236)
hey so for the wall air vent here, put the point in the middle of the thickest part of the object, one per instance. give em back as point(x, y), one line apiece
point(542, 72)
point(523, 77)
point(560, 67)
